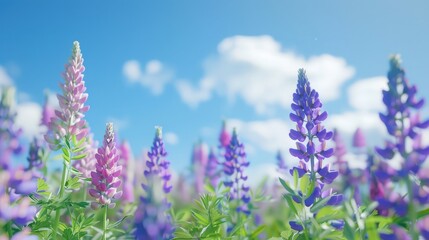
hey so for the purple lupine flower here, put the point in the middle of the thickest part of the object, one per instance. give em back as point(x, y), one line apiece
point(157, 163)
point(48, 112)
point(281, 164)
point(152, 220)
point(311, 138)
point(403, 123)
point(34, 157)
point(9, 133)
point(105, 177)
point(234, 166)
point(15, 206)
point(199, 164)
point(68, 120)
point(212, 171)
point(359, 139)
point(127, 173)
point(87, 164)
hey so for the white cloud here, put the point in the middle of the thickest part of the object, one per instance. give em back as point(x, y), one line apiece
point(348, 122)
point(366, 94)
point(154, 76)
point(171, 138)
point(263, 74)
point(269, 135)
point(5, 79)
point(28, 118)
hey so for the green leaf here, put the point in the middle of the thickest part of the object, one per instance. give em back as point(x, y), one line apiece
point(290, 203)
point(79, 157)
point(73, 183)
point(117, 223)
point(257, 231)
point(42, 187)
point(286, 186)
point(304, 184)
point(319, 204)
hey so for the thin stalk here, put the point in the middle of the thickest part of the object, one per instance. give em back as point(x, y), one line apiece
point(60, 195)
point(105, 221)
point(411, 210)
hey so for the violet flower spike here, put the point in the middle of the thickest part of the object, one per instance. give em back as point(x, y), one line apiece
point(152, 220)
point(9, 133)
point(310, 138)
point(105, 177)
point(68, 120)
point(403, 124)
point(234, 166)
point(212, 171)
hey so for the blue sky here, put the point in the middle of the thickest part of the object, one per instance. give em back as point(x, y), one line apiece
point(214, 57)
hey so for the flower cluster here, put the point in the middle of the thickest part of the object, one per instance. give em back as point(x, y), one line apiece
point(404, 125)
point(105, 177)
point(68, 121)
point(212, 172)
point(311, 137)
point(199, 163)
point(9, 133)
point(15, 185)
point(127, 173)
point(152, 220)
point(234, 166)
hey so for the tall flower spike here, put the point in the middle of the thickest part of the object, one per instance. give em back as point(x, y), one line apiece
point(403, 124)
point(9, 133)
point(234, 166)
point(224, 136)
point(68, 120)
point(152, 220)
point(127, 171)
point(311, 137)
point(212, 171)
point(359, 139)
point(281, 164)
point(105, 177)
point(199, 164)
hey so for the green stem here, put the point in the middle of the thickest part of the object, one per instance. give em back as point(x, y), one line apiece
point(412, 211)
point(60, 195)
point(105, 222)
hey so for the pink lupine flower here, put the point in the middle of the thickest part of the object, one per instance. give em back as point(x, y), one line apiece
point(224, 136)
point(105, 177)
point(68, 120)
point(359, 139)
point(199, 162)
point(127, 173)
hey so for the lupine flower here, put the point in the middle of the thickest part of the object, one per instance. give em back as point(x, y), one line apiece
point(87, 164)
point(105, 177)
point(157, 163)
point(224, 137)
point(234, 166)
point(281, 164)
point(152, 220)
point(212, 171)
point(9, 133)
point(404, 125)
point(359, 139)
point(311, 137)
point(24, 234)
point(199, 164)
point(48, 112)
point(339, 153)
point(127, 173)
point(15, 206)
point(34, 155)
point(68, 120)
